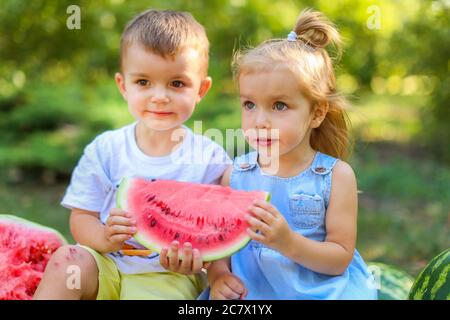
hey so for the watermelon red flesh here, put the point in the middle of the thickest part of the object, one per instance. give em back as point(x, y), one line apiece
point(25, 248)
point(210, 217)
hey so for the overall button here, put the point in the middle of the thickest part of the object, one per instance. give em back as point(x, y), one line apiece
point(244, 165)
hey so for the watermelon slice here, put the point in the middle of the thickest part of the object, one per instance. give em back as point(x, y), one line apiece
point(25, 248)
point(210, 217)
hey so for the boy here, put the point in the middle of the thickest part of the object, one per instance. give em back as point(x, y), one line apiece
point(164, 62)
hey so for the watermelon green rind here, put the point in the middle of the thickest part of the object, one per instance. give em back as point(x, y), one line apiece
point(121, 199)
point(394, 283)
point(8, 218)
point(121, 196)
point(433, 282)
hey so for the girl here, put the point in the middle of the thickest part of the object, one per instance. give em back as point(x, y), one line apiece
point(303, 242)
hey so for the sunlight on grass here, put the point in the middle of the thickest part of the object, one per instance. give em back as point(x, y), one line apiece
point(386, 118)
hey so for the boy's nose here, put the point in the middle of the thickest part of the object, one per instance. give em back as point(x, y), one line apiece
point(159, 96)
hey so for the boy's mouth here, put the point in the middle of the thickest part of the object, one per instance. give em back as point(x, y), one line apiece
point(161, 113)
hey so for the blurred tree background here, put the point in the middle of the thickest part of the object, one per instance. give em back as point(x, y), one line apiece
point(57, 92)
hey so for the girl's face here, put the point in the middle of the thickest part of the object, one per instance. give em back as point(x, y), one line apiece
point(276, 117)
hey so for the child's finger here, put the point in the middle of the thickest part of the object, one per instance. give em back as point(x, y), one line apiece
point(174, 261)
point(262, 214)
point(186, 264)
point(120, 220)
point(228, 293)
point(266, 206)
point(117, 238)
point(235, 284)
point(218, 295)
point(197, 262)
point(117, 229)
point(256, 224)
point(163, 258)
point(119, 212)
point(255, 236)
point(244, 294)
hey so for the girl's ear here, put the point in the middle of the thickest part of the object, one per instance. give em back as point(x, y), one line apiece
point(205, 85)
point(319, 113)
point(120, 82)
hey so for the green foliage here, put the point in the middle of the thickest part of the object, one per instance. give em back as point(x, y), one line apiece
point(56, 83)
point(424, 47)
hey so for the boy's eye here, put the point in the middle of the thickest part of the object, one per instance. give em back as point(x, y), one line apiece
point(248, 105)
point(177, 84)
point(142, 82)
point(280, 106)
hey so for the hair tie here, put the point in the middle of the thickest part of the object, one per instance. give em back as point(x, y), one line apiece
point(292, 36)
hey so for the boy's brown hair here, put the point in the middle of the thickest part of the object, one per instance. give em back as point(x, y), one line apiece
point(166, 33)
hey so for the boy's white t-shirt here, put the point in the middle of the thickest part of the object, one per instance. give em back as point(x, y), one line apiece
point(114, 154)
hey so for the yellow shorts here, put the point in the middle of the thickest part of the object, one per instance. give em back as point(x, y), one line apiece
point(114, 285)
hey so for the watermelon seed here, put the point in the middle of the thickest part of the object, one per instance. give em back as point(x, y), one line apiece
point(151, 198)
point(177, 235)
point(152, 223)
point(221, 237)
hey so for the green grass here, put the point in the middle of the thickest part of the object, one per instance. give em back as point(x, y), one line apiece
point(38, 203)
point(386, 118)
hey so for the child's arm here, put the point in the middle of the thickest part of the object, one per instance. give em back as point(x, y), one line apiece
point(88, 230)
point(330, 257)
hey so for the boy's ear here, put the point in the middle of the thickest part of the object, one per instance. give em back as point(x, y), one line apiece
point(120, 82)
point(205, 85)
point(319, 113)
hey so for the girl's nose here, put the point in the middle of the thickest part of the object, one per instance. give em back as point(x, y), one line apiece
point(262, 121)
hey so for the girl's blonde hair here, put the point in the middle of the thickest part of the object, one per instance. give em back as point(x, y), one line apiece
point(305, 55)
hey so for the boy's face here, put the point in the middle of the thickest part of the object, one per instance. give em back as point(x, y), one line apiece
point(162, 92)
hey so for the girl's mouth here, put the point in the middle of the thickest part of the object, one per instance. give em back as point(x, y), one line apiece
point(264, 142)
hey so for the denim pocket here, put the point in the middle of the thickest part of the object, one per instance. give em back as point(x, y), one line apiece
point(306, 210)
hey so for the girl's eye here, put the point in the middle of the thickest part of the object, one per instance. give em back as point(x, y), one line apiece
point(177, 84)
point(280, 106)
point(142, 82)
point(248, 105)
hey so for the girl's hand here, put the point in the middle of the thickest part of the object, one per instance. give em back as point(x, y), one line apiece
point(119, 228)
point(191, 263)
point(228, 287)
point(268, 226)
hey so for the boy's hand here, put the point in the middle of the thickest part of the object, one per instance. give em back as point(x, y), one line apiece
point(228, 287)
point(119, 228)
point(268, 226)
point(191, 263)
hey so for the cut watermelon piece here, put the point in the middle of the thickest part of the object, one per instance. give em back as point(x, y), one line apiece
point(210, 217)
point(25, 248)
